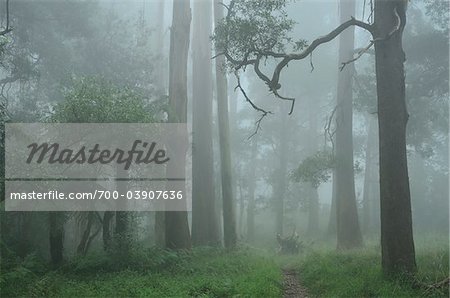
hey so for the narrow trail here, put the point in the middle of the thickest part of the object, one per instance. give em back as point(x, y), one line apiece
point(291, 285)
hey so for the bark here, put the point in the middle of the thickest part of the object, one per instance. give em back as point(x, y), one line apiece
point(161, 69)
point(229, 212)
point(87, 238)
point(160, 237)
point(280, 188)
point(332, 230)
point(204, 221)
point(313, 214)
point(251, 206)
point(24, 225)
point(241, 225)
point(121, 231)
point(81, 248)
point(106, 229)
point(397, 245)
point(162, 85)
point(313, 195)
point(369, 179)
point(56, 236)
point(348, 230)
point(176, 222)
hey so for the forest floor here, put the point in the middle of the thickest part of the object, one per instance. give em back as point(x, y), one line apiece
point(324, 272)
point(249, 272)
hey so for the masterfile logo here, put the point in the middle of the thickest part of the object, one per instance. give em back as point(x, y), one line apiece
point(97, 167)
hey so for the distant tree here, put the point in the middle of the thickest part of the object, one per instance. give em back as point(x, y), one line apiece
point(347, 223)
point(228, 199)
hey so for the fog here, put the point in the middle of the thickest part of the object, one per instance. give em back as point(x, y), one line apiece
point(297, 158)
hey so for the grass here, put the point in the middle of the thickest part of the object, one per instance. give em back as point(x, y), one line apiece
point(216, 273)
point(202, 273)
point(327, 273)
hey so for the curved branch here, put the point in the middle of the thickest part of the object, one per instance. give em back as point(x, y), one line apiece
point(317, 42)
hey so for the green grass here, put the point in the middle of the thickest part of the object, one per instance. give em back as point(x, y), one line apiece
point(202, 273)
point(215, 273)
point(327, 273)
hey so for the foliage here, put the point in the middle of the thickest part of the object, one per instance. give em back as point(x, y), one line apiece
point(94, 100)
point(438, 11)
point(15, 270)
point(315, 169)
point(253, 27)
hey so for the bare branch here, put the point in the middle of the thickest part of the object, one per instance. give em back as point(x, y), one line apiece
point(311, 62)
point(328, 132)
point(359, 55)
point(263, 112)
point(7, 29)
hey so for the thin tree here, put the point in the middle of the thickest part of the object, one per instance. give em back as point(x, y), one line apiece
point(251, 206)
point(229, 209)
point(176, 222)
point(348, 230)
point(56, 236)
point(204, 221)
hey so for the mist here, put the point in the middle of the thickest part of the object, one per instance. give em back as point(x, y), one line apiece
point(317, 156)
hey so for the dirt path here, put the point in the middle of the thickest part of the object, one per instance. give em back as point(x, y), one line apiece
point(291, 285)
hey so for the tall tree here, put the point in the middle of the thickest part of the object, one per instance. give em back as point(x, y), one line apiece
point(229, 208)
point(371, 184)
point(56, 236)
point(251, 205)
point(280, 183)
point(204, 221)
point(397, 245)
point(161, 82)
point(176, 222)
point(348, 230)
point(311, 148)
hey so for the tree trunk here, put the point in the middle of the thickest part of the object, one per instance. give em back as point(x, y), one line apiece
point(397, 245)
point(161, 68)
point(229, 212)
point(106, 229)
point(160, 236)
point(348, 230)
point(241, 225)
point(313, 211)
point(280, 188)
point(311, 149)
point(204, 221)
point(81, 248)
point(56, 236)
point(332, 230)
point(161, 83)
point(121, 231)
point(368, 197)
point(251, 206)
point(176, 222)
